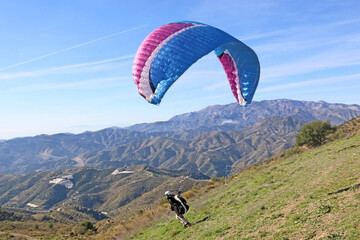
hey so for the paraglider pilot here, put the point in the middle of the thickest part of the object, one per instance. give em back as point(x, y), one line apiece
point(179, 205)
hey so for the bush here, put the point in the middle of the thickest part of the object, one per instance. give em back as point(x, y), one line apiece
point(189, 194)
point(324, 209)
point(217, 179)
point(314, 134)
point(89, 226)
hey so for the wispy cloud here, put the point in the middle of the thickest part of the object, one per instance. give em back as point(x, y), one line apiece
point(299, 45)
point(321, 47)
point(200, 98)
point(63, 69)
point(300, 30)
point(326, 60)
point(216, 86)
point(70, 48)
point(261, 35)
point(313, 82)
point(92, 83)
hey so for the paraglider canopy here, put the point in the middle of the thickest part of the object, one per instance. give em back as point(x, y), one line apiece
point(170, 50)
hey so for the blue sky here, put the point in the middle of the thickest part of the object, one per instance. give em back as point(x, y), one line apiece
point(65, 66)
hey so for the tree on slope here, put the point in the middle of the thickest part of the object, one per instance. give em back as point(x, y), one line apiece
point(314, 134)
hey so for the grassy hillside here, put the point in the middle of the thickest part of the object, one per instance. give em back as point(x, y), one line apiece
point(313, 195)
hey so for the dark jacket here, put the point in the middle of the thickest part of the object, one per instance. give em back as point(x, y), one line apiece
point(178, 204)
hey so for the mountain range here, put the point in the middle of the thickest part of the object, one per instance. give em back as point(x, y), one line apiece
point(234, 115)
point(208, 140)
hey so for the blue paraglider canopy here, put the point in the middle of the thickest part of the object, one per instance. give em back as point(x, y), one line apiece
point(170, 50)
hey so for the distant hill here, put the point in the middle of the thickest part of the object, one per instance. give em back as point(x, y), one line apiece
point(349, 128)
point(243, 130)
point(209, 152)
point(6, 215)
point(105, 190)
point(46, 152)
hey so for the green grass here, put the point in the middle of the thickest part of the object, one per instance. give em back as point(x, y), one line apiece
point(288, 199)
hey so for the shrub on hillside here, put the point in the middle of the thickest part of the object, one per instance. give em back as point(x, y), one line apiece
point(89, 226)
point(314, 134)
point(214, 182)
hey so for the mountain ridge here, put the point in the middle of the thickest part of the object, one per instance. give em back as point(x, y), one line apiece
point(61, 151)
point(209, 152)
point(245, 116)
